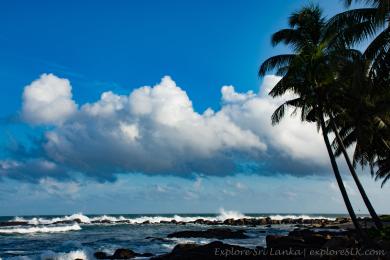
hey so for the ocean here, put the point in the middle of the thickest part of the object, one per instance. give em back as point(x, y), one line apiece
point(58, 237)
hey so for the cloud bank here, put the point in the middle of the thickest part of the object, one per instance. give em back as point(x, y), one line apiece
point(155, 130)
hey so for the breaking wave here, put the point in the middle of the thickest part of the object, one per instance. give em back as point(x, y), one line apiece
point(77, 254)
point(39, 229)
point(280, 217)
point(106, 219)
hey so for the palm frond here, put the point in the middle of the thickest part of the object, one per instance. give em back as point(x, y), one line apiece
point(275, 62)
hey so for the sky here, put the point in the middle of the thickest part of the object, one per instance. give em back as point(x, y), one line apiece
point(155, 107)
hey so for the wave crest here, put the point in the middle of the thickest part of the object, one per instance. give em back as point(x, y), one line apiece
point(107, 219)
point(40, 229)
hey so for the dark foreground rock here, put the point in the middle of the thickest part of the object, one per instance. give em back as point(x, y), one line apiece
point(211, 251)
point(298, 244)
point(218, 233)
point(309, 239)
point(121, 253)
point(311, 244)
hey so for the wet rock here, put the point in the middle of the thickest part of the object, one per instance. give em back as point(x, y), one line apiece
point(209, 251)
point(220, 233)
point(123, 253)
point(146, 222)
point(101, 255)
point(308, 232)
point(277, 241)
point(77, 220)
point(64, 222)
point(342, 220)
point(229, 221)
point(103, 221)
point(339, 242)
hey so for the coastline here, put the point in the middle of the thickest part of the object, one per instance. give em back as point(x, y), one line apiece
point(211, 237)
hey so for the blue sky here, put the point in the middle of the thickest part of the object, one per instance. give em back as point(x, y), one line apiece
point(194, 56)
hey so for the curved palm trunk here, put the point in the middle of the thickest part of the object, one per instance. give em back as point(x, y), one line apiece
point(338, 176)
point(370, 208)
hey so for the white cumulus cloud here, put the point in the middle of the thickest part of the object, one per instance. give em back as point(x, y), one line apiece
point(48, 100)
point(155, 129)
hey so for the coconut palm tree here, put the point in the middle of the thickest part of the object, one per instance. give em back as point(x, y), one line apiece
point(356, 25)
point(360, 24)
point(309, 74)
point(366, 121)
point(352, 119)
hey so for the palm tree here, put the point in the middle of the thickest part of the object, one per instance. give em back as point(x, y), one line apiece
point(366, 121)
point(369, 130)
point(354, 118)
point(365, 23)
point(307, 72)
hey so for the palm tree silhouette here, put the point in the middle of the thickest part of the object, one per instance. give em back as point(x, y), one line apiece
point(309, 73)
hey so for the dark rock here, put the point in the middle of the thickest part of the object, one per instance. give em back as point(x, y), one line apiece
point(123, 253)
point(220, 233)
point(276, 241)
point(308, 232)
point(123, 221)
point(77, 220)
point(199, 221)
point(180, 248)
point(101, 255)
point(146, 222)
point(343, 220)
point(228, 221)
point(64, 222)
point(339, 242)
point(209, 251)
point(103, 221)
point(262, 221)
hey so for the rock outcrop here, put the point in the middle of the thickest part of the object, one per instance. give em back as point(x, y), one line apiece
point(121, 253)
point(218, 233)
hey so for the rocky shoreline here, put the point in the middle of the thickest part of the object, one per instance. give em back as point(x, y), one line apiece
point(258, 221)
point(307, 241)
point(298, 244)
point(311, 239)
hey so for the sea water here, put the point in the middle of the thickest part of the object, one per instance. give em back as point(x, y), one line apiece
point(43, 239)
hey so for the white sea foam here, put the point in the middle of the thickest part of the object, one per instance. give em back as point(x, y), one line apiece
point(78, 254)
point(280, 217)
point(40, 229)
point(230, 214)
